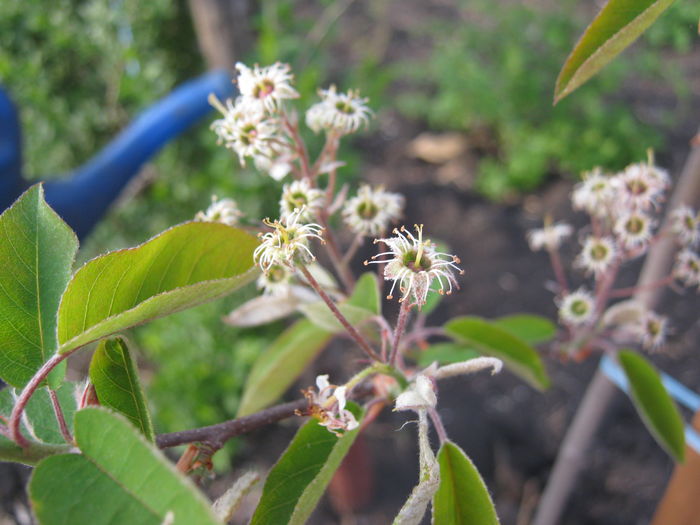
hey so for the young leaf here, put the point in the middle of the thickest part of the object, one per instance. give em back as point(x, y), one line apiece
point(462, 497)
point(532, 329)
point(617, 25)
point(36, 255)
point(446, 353)
point(116, 382)
point(654, 404)
point(280, 365)
point(184, 266)
point(366, 294)
point(300, 476)
point(118, 478)
point(490, 339)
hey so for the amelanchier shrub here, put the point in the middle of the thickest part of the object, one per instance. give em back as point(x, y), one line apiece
point(93, 445)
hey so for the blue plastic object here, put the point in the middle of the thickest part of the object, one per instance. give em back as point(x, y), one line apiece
point(83, 196)
point(678, 391)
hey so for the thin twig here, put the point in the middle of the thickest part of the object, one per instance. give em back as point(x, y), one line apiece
point(359, 339)
point(439, 427)
point(217, 435)
point(398, 332)
point(626, 292)
point(58, 412)
point(334, 254)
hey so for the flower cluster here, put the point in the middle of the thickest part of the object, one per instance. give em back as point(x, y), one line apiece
point(251, 125)
point(624, 211)
point(414, 264)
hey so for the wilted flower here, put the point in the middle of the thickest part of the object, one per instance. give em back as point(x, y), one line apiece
point(419, 396)
point(267, 86)
point(687, 268)
point(342, 112)
point(371, 211)
point(414, 263)
point(299, 194)
point(597, 254)
point(550, 237)
point(288, 241)
point(225, 211)
point(594, 194)
point(577, 308)
point(685, 223)
point(327, 404)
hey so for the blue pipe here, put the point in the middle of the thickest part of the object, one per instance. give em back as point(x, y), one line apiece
point(82, 197)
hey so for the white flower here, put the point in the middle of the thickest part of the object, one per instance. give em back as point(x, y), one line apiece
point(594, 194)
point(279, 164)
point(245, 129)
point(419, 396)
point(299, 194)
point(341, 112)
point(687, 268)
point(267, 86)
point(225, 211)
point(275, 281)
point(576, 308)
point(371, 211)
point(328, 403)
point(288, 242)
point(597, 254)
point(550, 237)
point(651, 330)
point(685, 223)
point(641, 186)
point(414, 264)
point(634, 229)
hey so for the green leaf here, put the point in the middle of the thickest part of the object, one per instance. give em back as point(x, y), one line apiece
point(119, 478)
point(299, 478)
point(490, 339)
point(366, 294)
point(654, 404)
point(532, 329)
point(184, 266)
point(116, 381)
point(36, 255)
point(617, 25)
point(462, 497)
point(446, 353)
point(281, 364)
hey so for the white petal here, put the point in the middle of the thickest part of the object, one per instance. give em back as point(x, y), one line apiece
point(340, 396)
point(424, 387)
point(322, 382)
point(263, 309)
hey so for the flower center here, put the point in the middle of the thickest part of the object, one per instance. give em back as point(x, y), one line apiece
point(653, 328)
point(344, 107)
point(634, 225)
point(415, 261)
point(579, 307)
point(264, 88)
point(367, 210)
point(297, 200)
point(276, 274)
point(599, 252)
point(637, 187)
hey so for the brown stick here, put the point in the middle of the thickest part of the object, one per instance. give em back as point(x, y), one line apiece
point(217, 435)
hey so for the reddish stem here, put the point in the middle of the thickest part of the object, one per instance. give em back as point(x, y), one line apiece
point(558, 270)
point(58, 412)
point(400, 328)
point(32, 386)
point(626, 292)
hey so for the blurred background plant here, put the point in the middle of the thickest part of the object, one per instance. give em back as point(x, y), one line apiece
point(82, 69)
